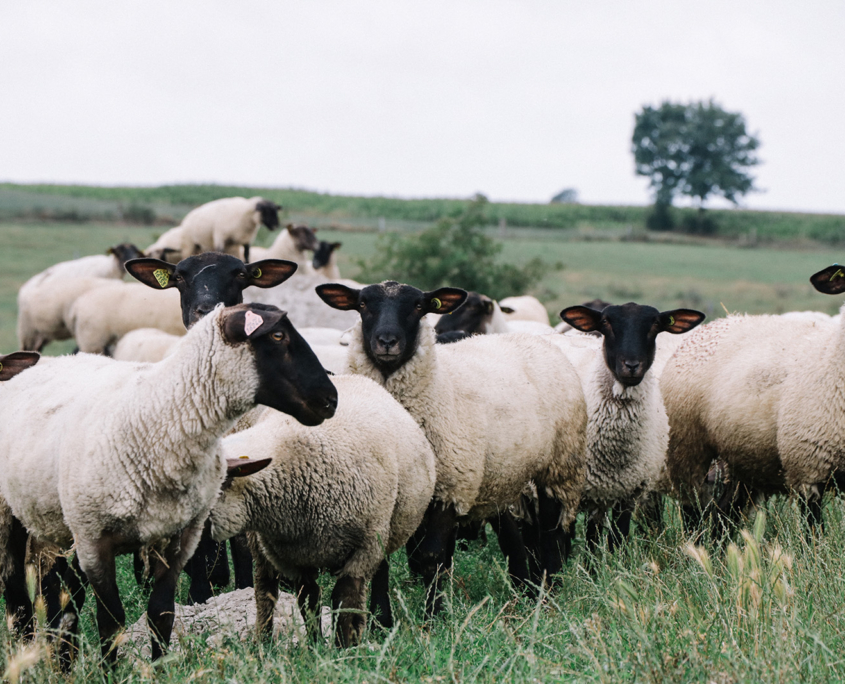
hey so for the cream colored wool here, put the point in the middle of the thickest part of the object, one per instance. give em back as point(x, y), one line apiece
point(284, 247)
point(765, 394)
point(107, 446)
point(100, 317)
point(525, 308)
point(341, 496)
point(5, 530)
point(223, 225)
point(168, 247)
point(498, 410)
point(148, 345)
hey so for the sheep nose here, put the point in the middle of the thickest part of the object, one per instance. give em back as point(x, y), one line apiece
point(631, 366)
point(204, 309)
point(387, 341)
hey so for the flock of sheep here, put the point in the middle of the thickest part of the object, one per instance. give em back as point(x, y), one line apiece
point(321, 424)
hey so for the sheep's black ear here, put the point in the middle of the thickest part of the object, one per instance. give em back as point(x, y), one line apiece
point(488, 307)
point(241, 324)
point(126, 251)
point(506, 309)
point(581, 318)
point(240, 467)
point(339, 296)
point(444, 300)
point(830, 280)
point(680, 320)
point(153, 273)
point(335, 245)
point(270, 272)
point(14, 363)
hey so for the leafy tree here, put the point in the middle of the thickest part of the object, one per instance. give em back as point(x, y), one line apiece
point(566, 196)
point(456, 252)
point(697, 149)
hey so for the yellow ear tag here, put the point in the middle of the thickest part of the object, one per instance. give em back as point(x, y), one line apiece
point(436, 303)
point(246, 457)
point(162, 276)
point(1, 366)
point(838, 274)
point(256, 273)
point(671, 320)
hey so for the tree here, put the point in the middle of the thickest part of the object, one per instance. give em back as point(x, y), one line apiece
point(566, 196)
point(697, 150)
point(453, 252)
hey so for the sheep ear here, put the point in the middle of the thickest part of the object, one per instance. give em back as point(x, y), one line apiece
point(241, 467)
point(153, 273)
point(242, 324)
point(16, 362)
point(506, 309)
point(830, 280)
point(680, 320)
point(335, 245)
point(270, 272)
point(581, 318)
point(489, 307)
point(339, 296)
point(443, 301)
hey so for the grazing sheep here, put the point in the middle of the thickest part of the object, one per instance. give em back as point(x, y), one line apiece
point(763, 394)
point(526, 420)
point(227, 225)
point(524, 308)
point(627, 427)
point(291, 245)
point(340, 497)
point(147, 474)
point(168, 247)
point(44, 299)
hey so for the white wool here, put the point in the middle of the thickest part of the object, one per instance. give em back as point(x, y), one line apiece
point(148, 345)
point(284, 247)
point(765, 393)
point(103, 445)
point(339, 496)
point(223, 225)
point(100, 317)
point(326, 336)
point(530, 327)
point(498, 410)
point(525, 308)
point(168, 247)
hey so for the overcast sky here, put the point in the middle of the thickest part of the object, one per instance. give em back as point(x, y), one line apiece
point(515, 99)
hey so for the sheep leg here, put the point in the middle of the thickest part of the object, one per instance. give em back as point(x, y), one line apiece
point(512, 546)
point(51, 590)
point(380, 595)
point(207, 568)
point(436, 551)
point(98, 561)
point(348, 604)
point(266, 593)
point(412, 551)
point(650, 511)
point(242, 560)
point(246, 253)
point(161, 606)
point(812, 509)
point(18, 606)
point(620, 524)
point(76, 582)
point(309, 599)
point(552, 538)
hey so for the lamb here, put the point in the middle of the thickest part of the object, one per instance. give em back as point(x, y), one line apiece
point(45, 299)
point(627, 426)
point(147, 476)
point(291, 245)
point(526, 421)
point(168, 247)
point(226, 225)
point(524, 308)
point(342, 497)
point(763, 393)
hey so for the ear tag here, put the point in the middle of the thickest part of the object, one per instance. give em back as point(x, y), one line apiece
point(838, 274)
point(1, 366)
point(671, 320)
point(252, 322)
point(256, 273)
point(436, 303)
point(245, 457)
point(162, 276)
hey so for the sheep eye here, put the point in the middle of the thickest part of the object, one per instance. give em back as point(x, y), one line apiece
point(362, 305)
point(241, 275)
point(177, 278)
point(277, 336)
point(418, 307)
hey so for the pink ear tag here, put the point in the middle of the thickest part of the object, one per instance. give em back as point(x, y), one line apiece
point(252, 322)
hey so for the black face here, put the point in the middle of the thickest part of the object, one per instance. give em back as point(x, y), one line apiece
point(629, 332)
point(304, 238)
point(126, 251)
point(390, 316)
point(473, 317)
point(269, 214)
point(209, 279)
point(323, 253)
point(291, 378)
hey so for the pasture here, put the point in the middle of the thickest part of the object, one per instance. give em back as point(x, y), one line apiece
point(772, 608)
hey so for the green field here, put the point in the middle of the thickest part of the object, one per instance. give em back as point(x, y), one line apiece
point(653, 612)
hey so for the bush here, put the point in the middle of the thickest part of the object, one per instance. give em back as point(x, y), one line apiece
point(139, 213)
point(660, 218)
point(699, 223)
point(454, 252)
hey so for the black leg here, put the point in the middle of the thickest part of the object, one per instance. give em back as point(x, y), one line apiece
point(348, 604)
point(380, 595)
point(242, 560)
point(76, 582)
point(415, 565)
point(620, 524)
point(110, 614)
point(207, 568)
point(18, 605)
point(512, 546)
point(436, 551)
point(266, 593)
point(551, 537)
point(162, 604)
point(51, 590)
point(308, 596)
point(246, 253)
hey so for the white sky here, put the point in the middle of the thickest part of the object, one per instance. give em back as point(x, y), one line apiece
point(516, 99)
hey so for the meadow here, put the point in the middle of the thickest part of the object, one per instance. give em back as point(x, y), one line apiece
point(771, 608)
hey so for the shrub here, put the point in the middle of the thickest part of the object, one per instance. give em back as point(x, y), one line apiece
point(139, 213)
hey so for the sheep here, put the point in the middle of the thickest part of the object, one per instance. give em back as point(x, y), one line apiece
point(525, 421)
point(342, 497)
point(147, 345)
point(524, 308)
point(325, 260)
point(168, 247)
point(481, 315)
point(763, 393)
point(627, 426)
point(44, 299)
point(291, 245)
point(110, 456)
point(226, 225)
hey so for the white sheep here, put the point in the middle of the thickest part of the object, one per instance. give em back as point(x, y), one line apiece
point(227, 225)
point(148, 345)
point(168, 247)
point(340, 497)
point(524, 308)
point(498, 410)
point(764, 394)
point(292, 244)
point(110, 457)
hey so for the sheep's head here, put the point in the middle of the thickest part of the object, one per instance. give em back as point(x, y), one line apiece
point(390, 316)
point(269, 212)
point(291, 378)
point(124, 252)
point(630, 332)
point(209, 279)
point(324, 252)
point(303, 237)
point(473, 317)
point(16, 362)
